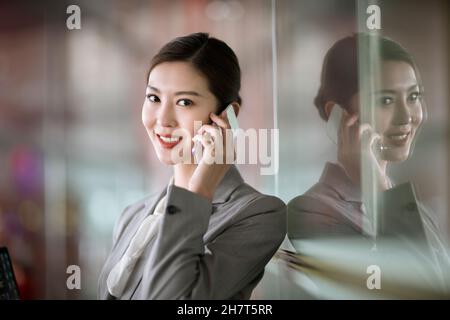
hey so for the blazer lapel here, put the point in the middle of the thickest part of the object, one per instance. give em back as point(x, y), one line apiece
point(229, 183)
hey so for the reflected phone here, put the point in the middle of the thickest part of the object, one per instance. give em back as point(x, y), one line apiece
point(333, 125)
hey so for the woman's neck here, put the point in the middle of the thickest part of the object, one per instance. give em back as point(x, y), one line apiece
point(182, 174)
point(383, 166)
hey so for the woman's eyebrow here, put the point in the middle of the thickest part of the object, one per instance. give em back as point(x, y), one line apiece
point(178, 93)
point(393, 91)
point(191, 93)
point(413, 86)
point(153, 88)
point(385, 91)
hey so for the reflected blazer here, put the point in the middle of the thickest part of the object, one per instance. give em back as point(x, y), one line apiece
point(333, 208)
point(203, 249)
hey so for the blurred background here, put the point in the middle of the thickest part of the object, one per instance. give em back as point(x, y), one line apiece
point(73, 150)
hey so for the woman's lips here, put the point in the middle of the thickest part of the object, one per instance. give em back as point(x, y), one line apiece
point(167, 141)
point(398, 139)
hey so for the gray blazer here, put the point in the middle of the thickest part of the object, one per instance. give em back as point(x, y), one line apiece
point(333, 208)
point(203, 249)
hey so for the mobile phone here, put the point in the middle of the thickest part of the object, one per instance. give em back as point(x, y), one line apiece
point(8, 284)
point(333, 123)
point(232, 119)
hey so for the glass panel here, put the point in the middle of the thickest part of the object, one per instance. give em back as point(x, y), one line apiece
point(364, 182)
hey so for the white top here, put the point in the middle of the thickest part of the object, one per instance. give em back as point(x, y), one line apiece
point(120, 273)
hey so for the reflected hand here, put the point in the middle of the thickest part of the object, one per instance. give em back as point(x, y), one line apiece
point(356, 144)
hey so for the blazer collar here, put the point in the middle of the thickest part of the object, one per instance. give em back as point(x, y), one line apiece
point(229, 183)
point(231, 180)
point(334, 176)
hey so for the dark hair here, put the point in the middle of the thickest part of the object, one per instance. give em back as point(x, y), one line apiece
point(339, 78)
point(212, 57)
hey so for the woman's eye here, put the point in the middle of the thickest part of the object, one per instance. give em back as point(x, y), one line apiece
point(386, 100)
point(184, 102)
point(152, 98)
point(413, 97)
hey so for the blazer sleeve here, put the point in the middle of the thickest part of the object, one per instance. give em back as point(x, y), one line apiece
point(181, 266)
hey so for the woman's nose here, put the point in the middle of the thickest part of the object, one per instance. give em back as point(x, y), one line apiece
point(165, 115)
point(402, 114)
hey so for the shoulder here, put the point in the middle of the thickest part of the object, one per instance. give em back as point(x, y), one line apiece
point(319, 212)
point(319, 199)
point(258, 197)
point(254, 201)
point(253, 206)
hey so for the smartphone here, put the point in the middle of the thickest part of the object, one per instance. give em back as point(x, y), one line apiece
point(333, 124)
point(8, 284)
point(232, 119)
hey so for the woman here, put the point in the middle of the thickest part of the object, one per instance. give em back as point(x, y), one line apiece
point(334, 206)
point(208, 234)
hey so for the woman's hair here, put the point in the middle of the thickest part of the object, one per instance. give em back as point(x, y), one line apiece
point(339, 78)
point(212, 57)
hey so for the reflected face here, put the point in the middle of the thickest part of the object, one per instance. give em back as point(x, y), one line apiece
point(398, 109)
point(177, 95)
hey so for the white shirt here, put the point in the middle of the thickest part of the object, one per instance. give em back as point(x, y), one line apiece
point(120, 273)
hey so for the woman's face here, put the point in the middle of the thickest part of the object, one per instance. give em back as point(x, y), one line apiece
point(398, 109)
point(176, 96)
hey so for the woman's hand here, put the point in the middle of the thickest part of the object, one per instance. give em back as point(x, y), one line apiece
point(218, 155)
point(356, 145)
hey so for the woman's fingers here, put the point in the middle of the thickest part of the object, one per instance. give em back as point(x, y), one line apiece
point(366, 132)
point(351, 120)
point(214, 131)
point(368, 138)
point(214, 139)
point(221, 121)
point(348, 129)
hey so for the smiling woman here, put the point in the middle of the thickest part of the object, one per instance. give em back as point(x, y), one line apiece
point(396, 103)
point(208, 234)
point(176, 90)
point(335, 206)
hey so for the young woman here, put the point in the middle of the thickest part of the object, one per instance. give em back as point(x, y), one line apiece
point(208, 234)
point(334, 206)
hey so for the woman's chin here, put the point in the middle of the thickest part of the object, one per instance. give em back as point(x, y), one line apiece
point(396, 156)
point(165, 159)
point(167, 163)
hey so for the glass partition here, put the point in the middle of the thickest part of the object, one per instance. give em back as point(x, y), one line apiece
point(363, 118)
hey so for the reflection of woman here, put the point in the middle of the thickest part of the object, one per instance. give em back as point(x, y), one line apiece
point(207, 235)
point(333, 206)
